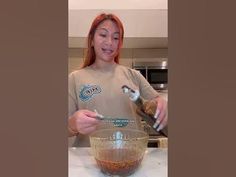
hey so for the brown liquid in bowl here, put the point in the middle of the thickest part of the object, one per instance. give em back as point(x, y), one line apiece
point(121, 162)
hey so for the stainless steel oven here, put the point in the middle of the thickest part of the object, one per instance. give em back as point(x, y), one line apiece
point(156, 72)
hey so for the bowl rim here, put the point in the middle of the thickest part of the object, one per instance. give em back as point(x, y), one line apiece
point(144, 136)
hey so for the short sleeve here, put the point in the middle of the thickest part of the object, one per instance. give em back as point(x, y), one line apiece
point(72, 98)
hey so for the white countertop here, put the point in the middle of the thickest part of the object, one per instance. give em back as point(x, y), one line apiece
point(82, 163)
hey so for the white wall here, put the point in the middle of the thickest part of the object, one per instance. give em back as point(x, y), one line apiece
point(141, 18)
point(137, 23)
point(118, 4)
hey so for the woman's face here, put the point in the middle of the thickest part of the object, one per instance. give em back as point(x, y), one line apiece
point(106, 41)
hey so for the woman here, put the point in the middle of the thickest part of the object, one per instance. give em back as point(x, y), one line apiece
point(97, 85)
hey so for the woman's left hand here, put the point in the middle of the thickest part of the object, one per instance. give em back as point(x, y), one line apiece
point(161, 113)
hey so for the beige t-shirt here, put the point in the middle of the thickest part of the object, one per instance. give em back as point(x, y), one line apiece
point(92, 89)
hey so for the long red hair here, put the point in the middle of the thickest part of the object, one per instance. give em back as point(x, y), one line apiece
point(90, 55)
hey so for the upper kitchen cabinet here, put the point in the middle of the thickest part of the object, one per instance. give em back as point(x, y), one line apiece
point(145, 22)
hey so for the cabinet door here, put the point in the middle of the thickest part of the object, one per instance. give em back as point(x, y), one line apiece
point(74, 63)
point(126, 62)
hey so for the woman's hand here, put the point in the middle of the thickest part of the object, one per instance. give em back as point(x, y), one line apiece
point(83, 121)
point(161, 113)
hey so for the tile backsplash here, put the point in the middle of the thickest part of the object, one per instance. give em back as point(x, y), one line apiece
point(127, 56)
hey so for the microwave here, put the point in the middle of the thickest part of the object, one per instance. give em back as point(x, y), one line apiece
point(155, 72)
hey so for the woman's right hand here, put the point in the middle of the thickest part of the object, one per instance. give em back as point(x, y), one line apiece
point(83, 121)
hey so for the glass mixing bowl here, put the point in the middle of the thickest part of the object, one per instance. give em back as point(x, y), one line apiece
point(118, 151)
